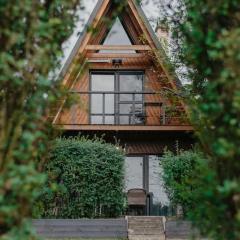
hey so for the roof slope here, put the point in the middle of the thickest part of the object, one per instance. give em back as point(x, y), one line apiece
point(162, 57)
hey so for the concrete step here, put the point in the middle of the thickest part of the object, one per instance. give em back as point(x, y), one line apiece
point(145, 237)
point(145, 228)
point(143, 218)
point(134, 226)
point(144, 231)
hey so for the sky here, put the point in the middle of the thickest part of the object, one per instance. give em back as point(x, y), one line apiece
point(150, 8)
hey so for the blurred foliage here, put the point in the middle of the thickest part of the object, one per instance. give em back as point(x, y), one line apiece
point(90, 180)
point(206, 35)
point(31, 35)
point(180, 176)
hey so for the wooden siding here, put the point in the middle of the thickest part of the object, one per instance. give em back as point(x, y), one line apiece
point(78, 114)
point(146, 58)
point(153, 112)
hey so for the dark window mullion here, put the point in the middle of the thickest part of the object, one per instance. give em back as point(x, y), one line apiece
point(117, 89)
point(103, 108)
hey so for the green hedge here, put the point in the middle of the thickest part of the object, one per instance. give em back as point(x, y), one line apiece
point(181, 173)
point(90, 180)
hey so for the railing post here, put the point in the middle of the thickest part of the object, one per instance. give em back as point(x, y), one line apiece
point(133, 108)
point(163, 114)
point(116, 108)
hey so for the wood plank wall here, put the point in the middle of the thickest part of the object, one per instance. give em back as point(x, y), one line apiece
point(78, 113)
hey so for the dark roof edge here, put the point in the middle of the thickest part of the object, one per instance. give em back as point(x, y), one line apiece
point(80, 39)
point(157, 43)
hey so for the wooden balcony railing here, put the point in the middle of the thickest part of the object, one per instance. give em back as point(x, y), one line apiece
point(125, 108)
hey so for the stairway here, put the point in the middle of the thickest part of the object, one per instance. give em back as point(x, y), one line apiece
point(145, 228)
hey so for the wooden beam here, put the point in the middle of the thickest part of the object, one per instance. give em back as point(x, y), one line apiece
point(85, 41)
point(118, 55)
point(119, 47)
point(124, 128)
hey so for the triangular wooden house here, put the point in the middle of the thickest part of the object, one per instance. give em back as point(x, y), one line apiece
point(127, 92)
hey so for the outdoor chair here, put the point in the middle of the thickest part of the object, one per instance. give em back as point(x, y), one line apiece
point(137, 201)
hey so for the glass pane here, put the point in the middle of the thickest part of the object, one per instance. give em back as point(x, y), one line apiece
point(156, 182)
point(96, 120)
point(131, 83)
point(109, 103)
point(109, 119)
point(96, 103)
point(129, 108)
point(133, 172)
point(124, 120)
point(102, 82)
point(117, 36)
point(125, 108)
point(138, 118)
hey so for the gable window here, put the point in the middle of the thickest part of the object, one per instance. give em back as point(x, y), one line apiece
point(117, 35)
point(116, 98)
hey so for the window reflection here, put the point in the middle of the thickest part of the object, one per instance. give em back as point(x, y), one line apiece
point(97, 103)
point(117, 98)
point(102, 82)
point(102, 104)
point(132, 83)
point(133, 172)
point(117, 36)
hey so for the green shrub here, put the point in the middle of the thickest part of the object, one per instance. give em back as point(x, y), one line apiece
point(206, 36)
point(32, 34)
point(191, 182)
point(89, 174)
point(180, 176)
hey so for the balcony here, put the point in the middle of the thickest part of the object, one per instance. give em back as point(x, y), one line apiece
point(111, 110)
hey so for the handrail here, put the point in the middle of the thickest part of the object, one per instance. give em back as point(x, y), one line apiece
point(135, 116)
point(111, 92)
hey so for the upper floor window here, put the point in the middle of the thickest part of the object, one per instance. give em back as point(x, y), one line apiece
point(117, 98)
point(117, 36)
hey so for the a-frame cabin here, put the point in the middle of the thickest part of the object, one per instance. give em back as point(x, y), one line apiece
point(127, 91)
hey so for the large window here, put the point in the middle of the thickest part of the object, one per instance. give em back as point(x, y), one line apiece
point(116, 98)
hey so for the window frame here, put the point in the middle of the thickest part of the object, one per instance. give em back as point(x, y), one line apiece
point(116, 93)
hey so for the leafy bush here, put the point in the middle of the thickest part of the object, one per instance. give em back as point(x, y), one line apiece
point(180, 176)
point(207, 42)
point(191, 182)
point(31, 38)
point(90, 176)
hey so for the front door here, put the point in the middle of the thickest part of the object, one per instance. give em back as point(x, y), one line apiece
point(145, 172)
point(134, 172)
